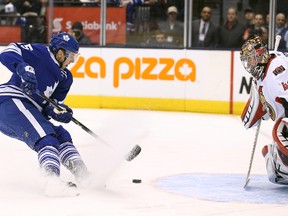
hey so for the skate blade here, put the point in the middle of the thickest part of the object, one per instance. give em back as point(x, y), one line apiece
point(58, 188)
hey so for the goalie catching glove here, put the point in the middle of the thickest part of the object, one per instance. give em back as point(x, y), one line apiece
point(61, 114)
point(28, 78)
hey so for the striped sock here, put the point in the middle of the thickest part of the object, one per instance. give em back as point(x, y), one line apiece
point(48, 158)
point(71, 159)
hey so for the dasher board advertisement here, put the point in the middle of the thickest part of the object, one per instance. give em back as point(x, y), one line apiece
point(64, 17)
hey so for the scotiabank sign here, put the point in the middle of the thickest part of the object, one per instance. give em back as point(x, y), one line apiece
point(64, 17)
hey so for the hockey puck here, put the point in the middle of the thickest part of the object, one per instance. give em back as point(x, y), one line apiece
point(136, 180)
point(133, 153)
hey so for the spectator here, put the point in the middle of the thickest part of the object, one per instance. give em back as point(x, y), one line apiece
point(249, 17)
point(28, 7)
point(179, 4)
point(230, 34)
point(37, 33)
point(267, 18)
point(30, 10)
point(142, 17)
point(38, 29)
point(43, 8)
point(77, 32)
point(158, 39)
point(172, 28)
point(130, 6)
point(10, 14)
point(12, 17)
point(265, 34)
point(256, 29)
point(204, 32)
point(282, 31)
point(157, 13)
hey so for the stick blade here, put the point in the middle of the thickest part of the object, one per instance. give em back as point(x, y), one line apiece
point(246, 183)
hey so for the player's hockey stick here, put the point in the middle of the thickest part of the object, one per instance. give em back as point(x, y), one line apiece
point(252, 154)
point(130, 156)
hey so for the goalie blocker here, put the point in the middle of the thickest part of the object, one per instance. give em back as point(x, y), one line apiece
point(254, 110)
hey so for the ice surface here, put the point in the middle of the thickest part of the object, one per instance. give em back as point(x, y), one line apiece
point(225, 188)
point(174, 145)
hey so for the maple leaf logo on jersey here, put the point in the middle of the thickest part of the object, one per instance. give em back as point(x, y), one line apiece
point(66, 37)
point(278, 70)
point(50, 89)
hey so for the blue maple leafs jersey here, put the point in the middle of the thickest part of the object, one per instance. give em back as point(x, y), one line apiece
point(52, 81)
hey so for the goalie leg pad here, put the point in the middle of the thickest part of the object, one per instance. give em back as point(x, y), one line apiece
point(280, 136)
point(268, 152)
point(276, 154)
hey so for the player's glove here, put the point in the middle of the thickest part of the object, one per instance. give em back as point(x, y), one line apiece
point(28, 78)
point(64, 115)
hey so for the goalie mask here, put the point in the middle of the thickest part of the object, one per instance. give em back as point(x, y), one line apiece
point(254, 56)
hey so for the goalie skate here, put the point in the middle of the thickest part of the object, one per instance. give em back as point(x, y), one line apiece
point(55, 187)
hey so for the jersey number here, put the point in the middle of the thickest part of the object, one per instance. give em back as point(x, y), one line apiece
point(27, 46)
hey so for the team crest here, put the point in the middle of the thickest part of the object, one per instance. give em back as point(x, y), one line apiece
point(66, 37)
point(266, 105)
point(50, 89)
point(278, 70)
point(285, 86)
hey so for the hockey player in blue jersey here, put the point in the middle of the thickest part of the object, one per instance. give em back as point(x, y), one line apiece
point(24, 115)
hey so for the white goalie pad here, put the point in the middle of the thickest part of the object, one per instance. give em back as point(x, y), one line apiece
point(271, 158)
point(280, 136)
point(277, 156)
point(254, 110)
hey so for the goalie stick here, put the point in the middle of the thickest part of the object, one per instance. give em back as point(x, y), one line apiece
point(252, 154)
point(277, 41)
point(130, 156)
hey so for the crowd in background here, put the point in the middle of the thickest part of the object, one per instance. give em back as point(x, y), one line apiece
point(29, 14)
point(229, 35)
point(151, 23)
